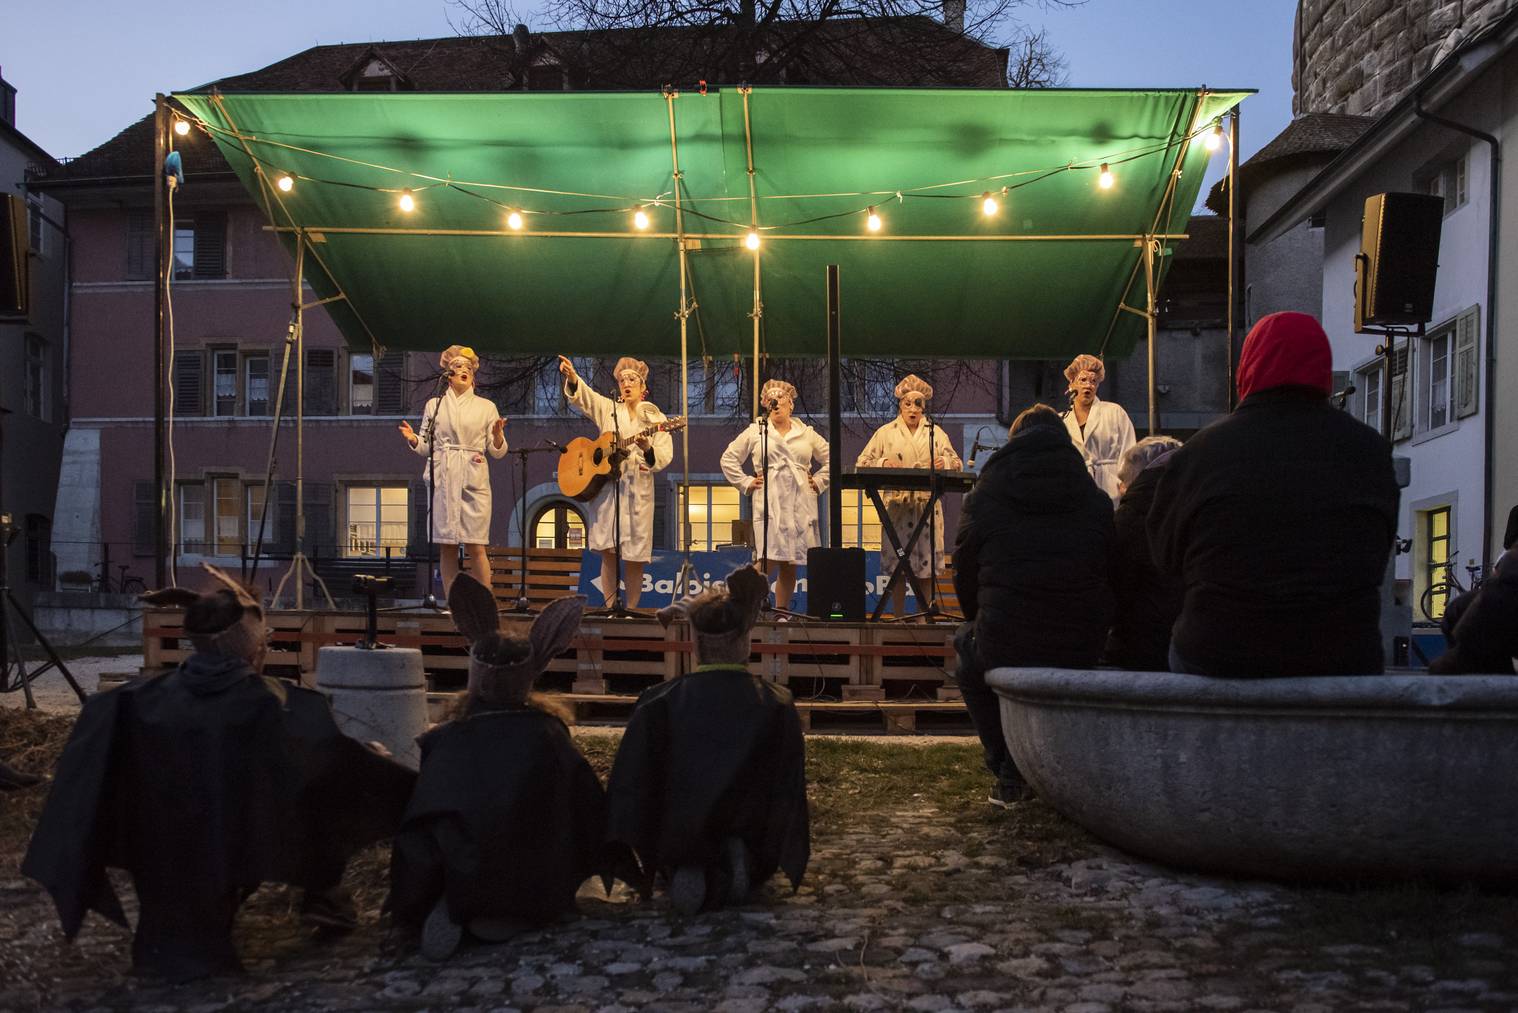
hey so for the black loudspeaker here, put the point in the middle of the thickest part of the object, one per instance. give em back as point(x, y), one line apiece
point(14, 286)
point(835, 584)
point(1398, 260)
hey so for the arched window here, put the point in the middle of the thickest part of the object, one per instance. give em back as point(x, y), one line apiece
point(558, 525)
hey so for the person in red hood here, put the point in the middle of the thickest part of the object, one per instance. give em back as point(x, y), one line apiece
point(1279, 520)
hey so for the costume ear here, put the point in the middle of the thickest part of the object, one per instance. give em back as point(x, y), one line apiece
point(473, 608)
point(553, 630)
point(677, 612)
point(244, 597)
point(748, 587)
point(170, 597)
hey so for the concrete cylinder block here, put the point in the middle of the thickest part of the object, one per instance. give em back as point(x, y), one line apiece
point(377, 696)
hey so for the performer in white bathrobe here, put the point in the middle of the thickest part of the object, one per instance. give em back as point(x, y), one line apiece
point(904, 443)
point(633, 414)
point(1100, 430)
point(461, 428)
point(798, 472)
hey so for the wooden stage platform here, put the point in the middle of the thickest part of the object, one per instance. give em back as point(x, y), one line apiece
point(846, 677)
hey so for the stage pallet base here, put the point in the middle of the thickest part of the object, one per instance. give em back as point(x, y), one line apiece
point(845, 664)
point(818, 717)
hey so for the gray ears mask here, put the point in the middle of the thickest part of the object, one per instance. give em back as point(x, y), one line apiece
point(474, 613)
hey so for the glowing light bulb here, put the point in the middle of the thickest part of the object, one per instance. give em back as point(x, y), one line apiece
point(640, 219)
point(514, 220)
point(752, 239)
point(407, 202)
point(285, 182)
point(873, 221)
point(1105, 179)
point(988, 205)
point(1214, 136)
point(182, 127)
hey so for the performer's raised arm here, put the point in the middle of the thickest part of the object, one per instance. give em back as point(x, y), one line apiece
point(583, 398)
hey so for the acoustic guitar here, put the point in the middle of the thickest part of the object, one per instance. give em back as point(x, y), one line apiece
point(586, 464)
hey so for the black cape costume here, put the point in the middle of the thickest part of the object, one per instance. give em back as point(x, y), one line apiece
point(202, 784)
point(506, 820)
point(713, 754)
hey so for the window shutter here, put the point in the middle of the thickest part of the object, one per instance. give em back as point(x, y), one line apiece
point(144, 518)
point(1467, 366)
point(189, 383)
point(210, 245)
point(390, 386)
point(1401, 396)
point(417, 503)
point(661, 515)
point(139, 264)
point(320, 541)
point(321, 381)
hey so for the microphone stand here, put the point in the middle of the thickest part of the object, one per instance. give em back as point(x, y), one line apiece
point(764, 453)
point(1069, 403)
point(429, 600)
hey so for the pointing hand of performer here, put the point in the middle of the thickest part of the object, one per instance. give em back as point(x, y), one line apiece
point(408, 432)
point(567, 370)
point(498, 432)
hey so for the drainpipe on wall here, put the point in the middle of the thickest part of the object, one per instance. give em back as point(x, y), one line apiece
point(1490, 393)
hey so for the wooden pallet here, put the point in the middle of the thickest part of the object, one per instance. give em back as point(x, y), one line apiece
point(641, 649)
point(804, 655)
point(913, 654)
point(817, 717)
point(164, 644)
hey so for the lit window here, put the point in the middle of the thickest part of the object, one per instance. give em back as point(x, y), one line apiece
point(361, 384)
point(228, 516)
point(712, 510)
point(559, 526)
point(861, 521)
point(377, 518)
point(1436, 539)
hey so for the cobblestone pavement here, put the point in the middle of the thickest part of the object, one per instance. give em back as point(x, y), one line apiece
point(909, 908)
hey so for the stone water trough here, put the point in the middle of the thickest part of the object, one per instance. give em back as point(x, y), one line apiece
point(1351, 778)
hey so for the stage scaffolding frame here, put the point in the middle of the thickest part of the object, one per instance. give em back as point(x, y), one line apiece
point(306, 236)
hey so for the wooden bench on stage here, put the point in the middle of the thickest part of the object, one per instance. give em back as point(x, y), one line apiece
point(551, 573)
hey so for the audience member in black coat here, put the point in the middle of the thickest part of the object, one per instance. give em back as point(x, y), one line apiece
point(1279, 520)
point(1147, 601)
point(708, 789)
point(507, 817)
point(202, 784)
point(1031, 564)
point(1484, 636)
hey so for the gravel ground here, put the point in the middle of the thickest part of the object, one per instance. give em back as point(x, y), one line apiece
point(911, 902)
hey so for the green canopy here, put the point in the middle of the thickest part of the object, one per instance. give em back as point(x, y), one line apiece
point(1042, 277)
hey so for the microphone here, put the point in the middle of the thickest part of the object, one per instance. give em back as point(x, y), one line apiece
point(1070, 396)
point(975, 448)
point(1341, 396)
point(554, 445)
point(774, 403)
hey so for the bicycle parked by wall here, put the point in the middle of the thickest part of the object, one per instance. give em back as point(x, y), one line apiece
point(124, 584)
point(1443, 590)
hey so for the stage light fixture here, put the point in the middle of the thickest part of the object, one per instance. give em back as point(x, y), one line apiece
point(752, 239)
point(514, 220)
point(640, 219)
point(285, 182)
point(872, 222)
point(407, 202)
point(1214, 136)
point(181, 127)
point(988, 205)
point(1105, 179)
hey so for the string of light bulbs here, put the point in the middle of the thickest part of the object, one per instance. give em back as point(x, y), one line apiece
point(990, 201)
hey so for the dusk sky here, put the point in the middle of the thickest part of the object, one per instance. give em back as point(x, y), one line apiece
point(82, 82)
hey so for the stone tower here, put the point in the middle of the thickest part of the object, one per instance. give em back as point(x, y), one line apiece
point(1361, 56)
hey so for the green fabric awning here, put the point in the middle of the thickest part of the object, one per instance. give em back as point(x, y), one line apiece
point(935, 280)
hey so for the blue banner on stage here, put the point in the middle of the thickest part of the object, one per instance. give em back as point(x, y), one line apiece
point(709, 568)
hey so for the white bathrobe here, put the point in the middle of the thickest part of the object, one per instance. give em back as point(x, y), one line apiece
point(896, 446)
point(461, 491)
point(1109, 433)
point(636, 478)
point(797, 457)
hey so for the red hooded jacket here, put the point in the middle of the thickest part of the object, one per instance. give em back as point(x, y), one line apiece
point(1285, 350)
